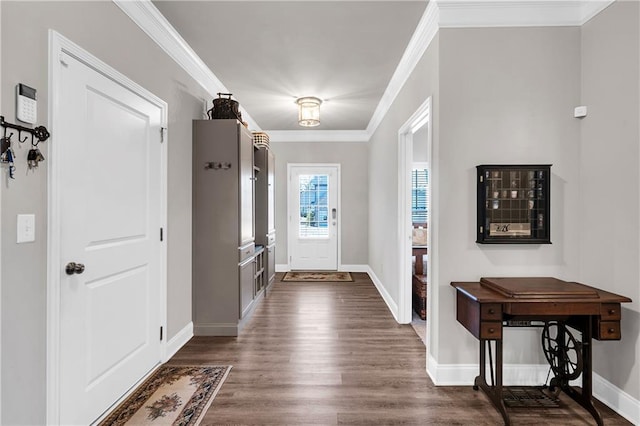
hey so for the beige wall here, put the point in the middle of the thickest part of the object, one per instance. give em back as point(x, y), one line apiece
point(609, 164)
point(103, 30)
point(354, 190)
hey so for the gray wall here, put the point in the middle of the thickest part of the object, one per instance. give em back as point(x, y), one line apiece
point(507, 97)
point(609, 164)
point(421, 145)
point(500, 96)
point(383, 166)
point(102, 29)
point(352, 157)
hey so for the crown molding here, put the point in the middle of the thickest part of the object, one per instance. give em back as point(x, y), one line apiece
point(318, 135)
point(524, 13)
point(592, 8)
point(438, 14)
point(423, 36)
point(144, 14)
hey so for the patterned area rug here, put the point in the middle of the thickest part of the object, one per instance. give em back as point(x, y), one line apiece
point(317, 276)
point(173, 395)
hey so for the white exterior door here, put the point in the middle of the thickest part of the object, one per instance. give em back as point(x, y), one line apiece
point(109, 189)
point(313, 217)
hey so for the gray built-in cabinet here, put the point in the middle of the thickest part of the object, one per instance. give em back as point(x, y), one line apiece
point(229, 262)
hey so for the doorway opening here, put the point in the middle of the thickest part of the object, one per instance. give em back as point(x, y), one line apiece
point(416, 221)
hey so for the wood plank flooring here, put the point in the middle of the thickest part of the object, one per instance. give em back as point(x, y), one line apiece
point(331, 353)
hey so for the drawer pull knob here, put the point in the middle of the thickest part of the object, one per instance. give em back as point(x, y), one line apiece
point(612, 311)
point(611, 330)
point(491, 311)
point(492, 330)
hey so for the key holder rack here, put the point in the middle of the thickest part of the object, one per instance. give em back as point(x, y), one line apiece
point(7, 155)
point(40, 133)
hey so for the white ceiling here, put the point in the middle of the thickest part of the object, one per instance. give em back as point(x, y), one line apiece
point(268, 53)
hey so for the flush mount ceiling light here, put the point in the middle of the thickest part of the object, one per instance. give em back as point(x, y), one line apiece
point(309, 111)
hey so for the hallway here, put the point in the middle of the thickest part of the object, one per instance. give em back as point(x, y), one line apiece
point(331, 353)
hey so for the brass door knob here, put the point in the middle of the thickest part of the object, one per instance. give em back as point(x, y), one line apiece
point(74, 268)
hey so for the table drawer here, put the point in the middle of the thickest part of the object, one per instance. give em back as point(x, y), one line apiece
point(491, 330)
point(610, 311)
point(608, 330)
point(491, 311)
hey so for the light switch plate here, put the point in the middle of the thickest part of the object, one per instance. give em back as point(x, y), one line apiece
point(26, 228)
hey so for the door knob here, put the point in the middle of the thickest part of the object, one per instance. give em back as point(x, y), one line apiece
point(74, 268)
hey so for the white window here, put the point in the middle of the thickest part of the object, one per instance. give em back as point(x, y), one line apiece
point(419, 195)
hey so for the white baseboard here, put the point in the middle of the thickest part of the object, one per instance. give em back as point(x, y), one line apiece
point(464, 374)
point(353, 268)
point(178, 341)
point(535, 375)
point(282, 267)
point(616, 399)
point(393, 306)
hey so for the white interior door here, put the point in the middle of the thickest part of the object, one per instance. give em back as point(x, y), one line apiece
point(110, 212)
point(313, 217)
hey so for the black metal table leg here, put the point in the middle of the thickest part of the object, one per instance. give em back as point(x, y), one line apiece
point(493, 392)
point(584, 398)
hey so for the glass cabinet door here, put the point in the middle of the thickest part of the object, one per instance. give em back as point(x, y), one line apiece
point(513, 204)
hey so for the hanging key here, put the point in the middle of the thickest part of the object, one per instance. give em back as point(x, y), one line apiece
point(5, 144)
point(32, 158)
point(9, 159)
point(39, 156)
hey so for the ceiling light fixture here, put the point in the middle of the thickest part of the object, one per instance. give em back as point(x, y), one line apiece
point(309, 111)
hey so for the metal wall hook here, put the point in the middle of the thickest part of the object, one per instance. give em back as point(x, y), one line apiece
point(40, 132)
point(214, 165)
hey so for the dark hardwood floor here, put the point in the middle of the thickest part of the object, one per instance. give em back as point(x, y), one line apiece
point(331, 353)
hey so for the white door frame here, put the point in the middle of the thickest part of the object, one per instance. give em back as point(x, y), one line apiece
point(58, 45)
point(0, 235)
point(420, 118)
point(338, 204)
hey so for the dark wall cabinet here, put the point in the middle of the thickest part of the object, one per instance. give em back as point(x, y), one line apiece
point(513, 204)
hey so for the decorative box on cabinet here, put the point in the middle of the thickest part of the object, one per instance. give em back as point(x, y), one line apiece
point(265, 210)
point(513, 204)
point(224, 252)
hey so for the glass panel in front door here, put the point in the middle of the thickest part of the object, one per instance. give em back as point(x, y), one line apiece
point(313, 198)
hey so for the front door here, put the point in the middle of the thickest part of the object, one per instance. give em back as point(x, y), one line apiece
point(109, 182)
point(313, 217)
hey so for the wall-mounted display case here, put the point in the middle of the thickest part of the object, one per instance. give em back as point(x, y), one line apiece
point(513, 204)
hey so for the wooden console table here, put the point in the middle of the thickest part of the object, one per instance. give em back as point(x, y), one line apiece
point(485, 307)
